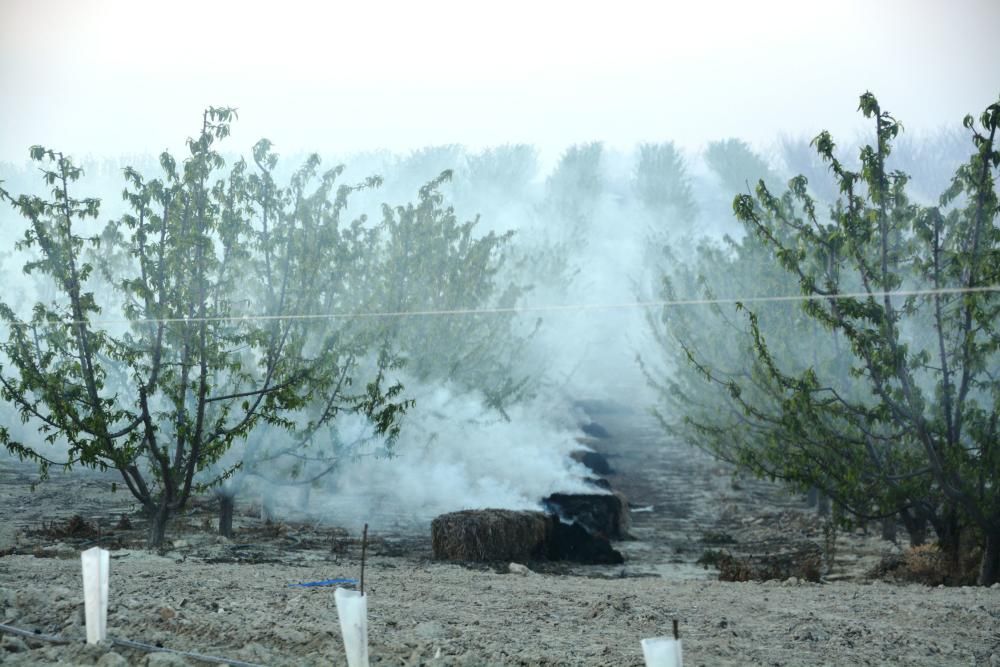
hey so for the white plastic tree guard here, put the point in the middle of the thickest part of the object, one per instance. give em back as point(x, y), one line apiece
point(96, 569)
point(352, 608)
point(662, 652)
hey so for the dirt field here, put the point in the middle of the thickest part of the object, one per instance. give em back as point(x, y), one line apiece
point(234, 599)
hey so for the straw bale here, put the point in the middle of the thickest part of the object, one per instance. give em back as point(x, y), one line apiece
point(489, 535)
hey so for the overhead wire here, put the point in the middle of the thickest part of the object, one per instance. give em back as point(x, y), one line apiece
point(518, 310)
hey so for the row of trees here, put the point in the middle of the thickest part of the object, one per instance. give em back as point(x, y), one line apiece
point(211, 312)
point(880, 388)
point(220, 305)
point(224, 307)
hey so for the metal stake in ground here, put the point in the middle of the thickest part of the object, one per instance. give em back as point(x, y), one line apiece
point(364, 548)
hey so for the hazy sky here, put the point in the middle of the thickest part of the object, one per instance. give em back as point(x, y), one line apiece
point(109, 77)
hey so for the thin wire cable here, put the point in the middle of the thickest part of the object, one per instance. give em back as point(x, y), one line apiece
point(514, 310)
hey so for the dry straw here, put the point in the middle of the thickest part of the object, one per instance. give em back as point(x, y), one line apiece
point(489, 535)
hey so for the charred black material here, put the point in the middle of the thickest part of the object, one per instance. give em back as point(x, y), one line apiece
point(572, 542)
point(601, 514)
point(599, 482)
point(595, 430)
point(596, 462)
point(495, 535)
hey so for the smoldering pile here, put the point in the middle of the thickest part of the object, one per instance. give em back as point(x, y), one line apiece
point(494, 535)
point(576, 527)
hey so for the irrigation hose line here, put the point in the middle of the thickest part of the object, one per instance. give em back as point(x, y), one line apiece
point(514, 310)
point(127, 643)
point(54, 639)
point(187, 654)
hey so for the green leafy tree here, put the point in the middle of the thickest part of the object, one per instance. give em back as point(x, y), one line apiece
point(737, 165)
point(661, 182)
point(800, 157)
point(196, 368)
point(417, 276)
point(931, 159)
point(927, 358)
point(309, 263)
point(574, 189)
point(663, 189)
point(718, 394)
point(436, 271)
point(733, 166)
point(412, 171)
point(502, 171)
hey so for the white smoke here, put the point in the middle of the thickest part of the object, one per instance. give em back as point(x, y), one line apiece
point(453, 454)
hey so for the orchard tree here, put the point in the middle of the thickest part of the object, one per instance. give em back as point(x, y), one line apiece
point(662, 184)
point(931, 159)
point(309, 262)
point(736, 164)
point(419, 275)
point(434, 272)
point(927, 356)
point(503, 171)
point(718, 393)
point(733, 167)
point(799, 157)
point(575, 188)
point(196, 365)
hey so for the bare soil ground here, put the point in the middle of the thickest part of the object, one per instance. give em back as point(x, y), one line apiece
point(233, 598)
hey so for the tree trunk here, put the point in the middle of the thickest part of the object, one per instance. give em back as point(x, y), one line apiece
point(822, 504)
point(812, 497)
point(949, 533)
point(889, 529)
point(989, 569)
point(916, 527)
point(226, 505)
point(158, 526)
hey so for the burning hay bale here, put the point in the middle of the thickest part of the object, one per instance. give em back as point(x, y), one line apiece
point(506, 535)
point(599, 482)
point(601, 514)
point(596, 462)
point(573, 542)
point(595, 430)
point(490, 535)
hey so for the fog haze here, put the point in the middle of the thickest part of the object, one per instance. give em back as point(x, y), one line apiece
point(609, 140)
point(112, 78)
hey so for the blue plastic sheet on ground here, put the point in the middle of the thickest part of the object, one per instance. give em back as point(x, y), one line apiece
point(327, 582)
